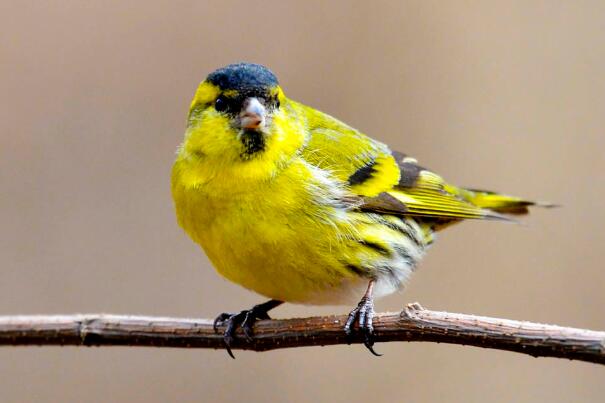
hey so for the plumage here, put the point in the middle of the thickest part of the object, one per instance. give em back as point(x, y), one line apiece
point(304, 208)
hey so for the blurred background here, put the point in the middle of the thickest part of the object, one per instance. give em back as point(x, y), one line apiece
point(506, 95)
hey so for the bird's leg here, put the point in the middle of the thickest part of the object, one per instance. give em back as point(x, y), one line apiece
point(244, 319)
point(363, 314)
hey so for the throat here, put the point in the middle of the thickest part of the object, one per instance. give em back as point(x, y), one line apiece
point(253, 142)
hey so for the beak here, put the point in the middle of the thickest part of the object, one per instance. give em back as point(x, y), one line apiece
point(253, 114)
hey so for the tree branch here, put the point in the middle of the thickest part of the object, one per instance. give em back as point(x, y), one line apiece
point(413, 324)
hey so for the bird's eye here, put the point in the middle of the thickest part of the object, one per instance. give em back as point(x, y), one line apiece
point(276, 103)
point(220, 104)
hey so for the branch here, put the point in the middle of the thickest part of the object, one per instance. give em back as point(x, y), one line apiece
point(414, 323)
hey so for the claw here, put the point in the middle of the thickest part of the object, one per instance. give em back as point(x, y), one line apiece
point(245, 320)
point(369, 347)
point(228, 348)
point(363, 314)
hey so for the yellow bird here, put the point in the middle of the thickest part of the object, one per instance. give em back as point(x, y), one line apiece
point(297, 206)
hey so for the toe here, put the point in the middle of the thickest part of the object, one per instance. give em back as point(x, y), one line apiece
point(228, 339)
point(233, 321)
point(220, 319)
point(349, 324)
point(247, 325)
point(368, 329)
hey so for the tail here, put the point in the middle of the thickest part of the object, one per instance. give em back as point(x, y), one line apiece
point(500, 203)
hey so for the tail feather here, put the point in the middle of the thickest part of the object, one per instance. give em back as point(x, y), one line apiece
point(500, 203)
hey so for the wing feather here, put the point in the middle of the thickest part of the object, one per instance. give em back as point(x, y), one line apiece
point(425, 194)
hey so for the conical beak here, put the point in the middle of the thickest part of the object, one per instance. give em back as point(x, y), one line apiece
point(253, 114)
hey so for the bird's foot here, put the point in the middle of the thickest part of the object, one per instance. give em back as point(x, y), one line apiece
point(363, 315)
point(244, 319)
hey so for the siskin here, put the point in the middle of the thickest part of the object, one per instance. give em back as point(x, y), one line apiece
point(297, 206)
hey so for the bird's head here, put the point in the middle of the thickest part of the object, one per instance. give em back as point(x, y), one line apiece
point(240, 115)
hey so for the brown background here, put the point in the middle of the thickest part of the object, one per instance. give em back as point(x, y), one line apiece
point(503, 95)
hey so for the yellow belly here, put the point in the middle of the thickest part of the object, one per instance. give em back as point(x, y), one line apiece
point(282, 245)
point(293, 268)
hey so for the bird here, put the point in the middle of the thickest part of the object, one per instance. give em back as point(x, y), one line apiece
point(299, 207)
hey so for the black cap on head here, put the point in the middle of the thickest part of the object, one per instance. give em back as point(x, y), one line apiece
point(243, 76)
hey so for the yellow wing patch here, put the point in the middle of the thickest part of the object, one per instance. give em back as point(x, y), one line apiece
point(372, 179)
point(420, 192)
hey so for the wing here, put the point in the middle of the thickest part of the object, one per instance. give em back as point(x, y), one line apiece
point(423, 193)
point(393, 183)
